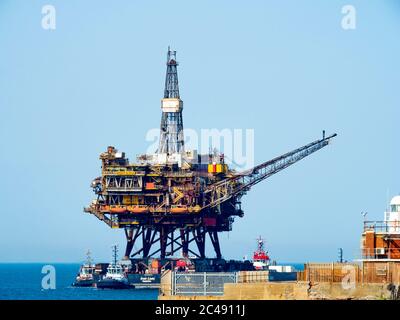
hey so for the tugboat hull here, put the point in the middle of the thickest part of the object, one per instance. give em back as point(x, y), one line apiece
point(83, 283)
point(142, 281)
point(113, 284)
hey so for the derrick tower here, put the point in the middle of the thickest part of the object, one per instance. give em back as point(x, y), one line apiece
point(171, 129)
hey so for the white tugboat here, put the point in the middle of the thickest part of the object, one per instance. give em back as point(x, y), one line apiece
point(86, 276)
point(115, 277)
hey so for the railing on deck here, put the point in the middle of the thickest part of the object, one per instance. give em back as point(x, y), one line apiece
point(382, 226)
point(201, 283)
point(207, 283)
point(378, 254)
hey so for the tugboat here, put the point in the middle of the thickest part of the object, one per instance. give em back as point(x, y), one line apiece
point(115, 277)
point(86, 276)
point(260, 256)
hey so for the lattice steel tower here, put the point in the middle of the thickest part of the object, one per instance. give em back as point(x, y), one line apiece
point(171, 130)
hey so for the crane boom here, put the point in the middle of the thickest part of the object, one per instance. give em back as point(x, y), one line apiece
point(237, 185)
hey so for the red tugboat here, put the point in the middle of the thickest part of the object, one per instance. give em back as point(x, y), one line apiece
point(260, 257)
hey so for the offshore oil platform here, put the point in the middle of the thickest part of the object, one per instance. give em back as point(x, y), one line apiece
point(170, 200)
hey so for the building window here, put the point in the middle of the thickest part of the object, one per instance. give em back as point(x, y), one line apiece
point(395, 207)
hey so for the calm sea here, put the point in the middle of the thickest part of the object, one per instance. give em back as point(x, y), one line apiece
point(24, 281)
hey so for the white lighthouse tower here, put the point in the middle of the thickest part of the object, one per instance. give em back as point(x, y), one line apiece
point(392, 217)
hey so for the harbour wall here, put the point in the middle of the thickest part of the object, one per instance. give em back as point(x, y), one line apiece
point(299, 290)
point(333, 281)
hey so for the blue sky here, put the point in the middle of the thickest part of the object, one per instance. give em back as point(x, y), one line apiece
point(283, 68)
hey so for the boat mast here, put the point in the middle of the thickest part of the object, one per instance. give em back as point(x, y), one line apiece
point(115, 254)
point(88, 258)
point(260, 244)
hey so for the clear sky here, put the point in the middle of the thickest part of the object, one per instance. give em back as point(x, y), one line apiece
point(284, 68)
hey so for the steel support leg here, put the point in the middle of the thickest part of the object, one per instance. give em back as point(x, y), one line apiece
point(163, 242)
point(129, 243)
point(185, 243)
point(215, 241)
point(200, 239)
point(147, 241)
point(131, 234)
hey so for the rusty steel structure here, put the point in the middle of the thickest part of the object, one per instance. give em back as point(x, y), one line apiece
point(169, 200)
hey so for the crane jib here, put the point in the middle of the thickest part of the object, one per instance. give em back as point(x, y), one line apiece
point(240, 183)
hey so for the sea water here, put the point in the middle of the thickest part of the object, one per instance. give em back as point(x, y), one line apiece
point(24, 281)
